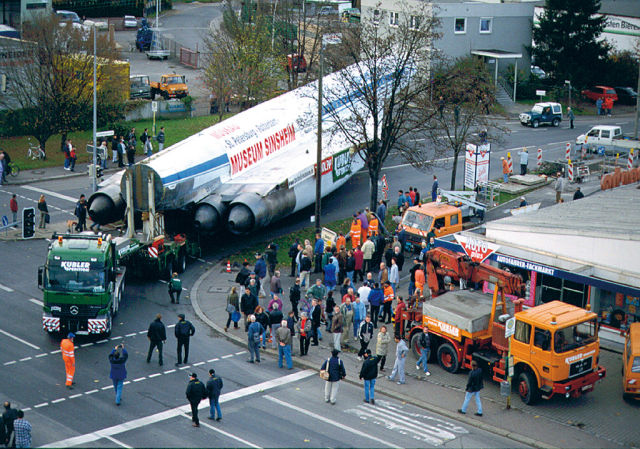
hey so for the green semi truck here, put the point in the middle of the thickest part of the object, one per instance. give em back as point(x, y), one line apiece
point(83, 280)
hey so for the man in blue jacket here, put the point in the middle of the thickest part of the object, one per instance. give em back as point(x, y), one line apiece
point(376, 297)
point(118, 359)
point(359, 312)
point(336, 371)
point(317, 253)
point(253, 335)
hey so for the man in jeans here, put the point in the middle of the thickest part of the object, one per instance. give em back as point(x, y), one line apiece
point(283, 337)
point(425, 350)
point(337, 325)
point(474, 385)
point(214, 386)
point(369, 373)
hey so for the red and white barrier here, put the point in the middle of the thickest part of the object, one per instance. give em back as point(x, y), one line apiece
point(583, 152)
point(630, 160)
point(510, 163)
point(228, 266)
point(539, 158)
point(567, 154)
point(570, 171)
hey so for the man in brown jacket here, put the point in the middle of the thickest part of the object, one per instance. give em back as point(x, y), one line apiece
point(337, 324)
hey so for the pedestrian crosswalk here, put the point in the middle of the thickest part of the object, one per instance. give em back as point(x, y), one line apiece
point(421, 427)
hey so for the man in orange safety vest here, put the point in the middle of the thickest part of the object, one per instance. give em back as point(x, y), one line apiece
point(356, 231)
point(69, 358)
point(373, 226)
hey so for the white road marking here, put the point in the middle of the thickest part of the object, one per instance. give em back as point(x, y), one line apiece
point(118, 442)
point(241, 352)
point(102, 341)
point(170, 371)
point(10, 363)
point(201, 260)
point(162, 281)
point(84, 440)
point(36, 302)
point(75, 396)
point(126, 382)
point(142, 332)
point(26, 409)
point(213, 360)
point(91, 391)
point(139, 379)
point(151, 376)
point(107, 387)
point(6, 289)
point(50, 193)
point(58, 400)
point(25, 359)
point(19, 339)
point(41, 405)
point(227, 434)
point(86, 344)
point(171, 325)
point(131, 335)
point(331, 422)
point(198, 364)
point(116, 338)
point(41, 355)
point(185, 367)
point(56, 351)
point(227, 356)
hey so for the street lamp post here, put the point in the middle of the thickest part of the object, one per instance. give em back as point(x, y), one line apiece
point(319, 143)
point(95, 112)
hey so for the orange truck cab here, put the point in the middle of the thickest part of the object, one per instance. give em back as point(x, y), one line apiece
point(418, 221)
point(631, 364)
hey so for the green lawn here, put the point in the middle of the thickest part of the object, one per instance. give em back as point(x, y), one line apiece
point(175, 131)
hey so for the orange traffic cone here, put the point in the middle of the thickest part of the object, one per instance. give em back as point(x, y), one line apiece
point(228, 266)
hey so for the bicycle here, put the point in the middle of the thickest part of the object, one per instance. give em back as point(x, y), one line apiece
point(35, 152)
point(14, 169)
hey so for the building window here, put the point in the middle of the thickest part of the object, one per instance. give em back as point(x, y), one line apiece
point(36, 5)
point(460, 25)
point(485, 25)
point(393, 19)
point(415, 22)
point(377, 14)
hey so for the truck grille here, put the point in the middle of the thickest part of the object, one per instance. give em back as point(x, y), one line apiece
point(75, 310)
point(580, 367)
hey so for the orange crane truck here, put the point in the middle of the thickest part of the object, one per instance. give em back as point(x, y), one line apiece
point(555, 348)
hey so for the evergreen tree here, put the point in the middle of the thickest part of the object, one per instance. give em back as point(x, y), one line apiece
point(566, 41)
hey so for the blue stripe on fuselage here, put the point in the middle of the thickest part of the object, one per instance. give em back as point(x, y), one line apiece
point(197, 169)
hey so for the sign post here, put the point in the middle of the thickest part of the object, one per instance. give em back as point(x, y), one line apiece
point(154, 109)
point(476, 165)
point(509, 330)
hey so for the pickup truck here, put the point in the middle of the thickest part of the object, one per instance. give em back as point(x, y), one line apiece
point(606, 138)
point(170, 86)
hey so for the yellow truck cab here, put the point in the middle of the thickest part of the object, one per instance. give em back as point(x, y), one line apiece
point(418, 221)
point(555, 350)
point(631, 363)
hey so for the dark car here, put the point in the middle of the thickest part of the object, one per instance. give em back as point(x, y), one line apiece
point(626, 95)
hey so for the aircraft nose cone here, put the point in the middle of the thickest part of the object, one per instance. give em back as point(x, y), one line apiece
point(206, 219)
point(241, 219)
point(101, 209)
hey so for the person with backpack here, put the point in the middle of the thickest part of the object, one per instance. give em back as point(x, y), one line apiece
point(214, 387)
point(175, 286)
point(184, 330)
point(336, 372)
point(196, 392)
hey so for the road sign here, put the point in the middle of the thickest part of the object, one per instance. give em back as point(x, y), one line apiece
point(105, 133)
point(154, 106)
point(153, 252)
point(328, 236)
point(478, 250)
point(5, 220)
point(541, 93)
point(510, 327)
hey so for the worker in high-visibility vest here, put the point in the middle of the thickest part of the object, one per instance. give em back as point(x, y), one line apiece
point(341, 242)
point(373, 226)
point(68, 355)
point(355, 233)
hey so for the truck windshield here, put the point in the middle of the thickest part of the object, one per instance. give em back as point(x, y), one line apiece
point(415, 220)
point(59, 279)
point(173, 80)
point(574, 336)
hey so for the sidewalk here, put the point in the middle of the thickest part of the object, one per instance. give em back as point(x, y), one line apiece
point(52, 173)
point(442, 393)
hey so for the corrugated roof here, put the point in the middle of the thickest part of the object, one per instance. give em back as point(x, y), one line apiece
point(612, 213)
point(627, 8)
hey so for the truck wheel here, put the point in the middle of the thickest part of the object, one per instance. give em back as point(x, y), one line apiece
point(528, 388)
point(556, 122)
point(181, 263)
point(153, 94)
point(165, 95)
point(535, 123)
point(448, 358)
point(415, 345)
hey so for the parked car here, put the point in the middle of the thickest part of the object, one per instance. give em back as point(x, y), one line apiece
point(595, 92)
point(626, 95)
point(68, 16)
point(130, 22)
point(542, 114)
point(538, 72)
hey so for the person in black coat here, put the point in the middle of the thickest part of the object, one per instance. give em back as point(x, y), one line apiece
point(316, 318)
point(8, 417)
point(214, 386)
point(184, 330)
point(196, 392)
point(336, 370)
point(294, 297)
point(157, 335)
point(369, 374)
point(474, 385)
point(248, 304)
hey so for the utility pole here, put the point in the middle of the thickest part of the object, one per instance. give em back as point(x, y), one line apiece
point(635, 132)
point(319, 141)
point(95, 112)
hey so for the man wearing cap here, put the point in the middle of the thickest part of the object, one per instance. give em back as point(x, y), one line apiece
point(69, 358)
point(196, 392)
point(369, 373)
point(336, 370)
point(214, 386)
point(183, 331)
point(523, 201)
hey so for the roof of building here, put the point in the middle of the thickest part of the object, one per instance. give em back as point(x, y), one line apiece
point(613, 213)
point(626, 8)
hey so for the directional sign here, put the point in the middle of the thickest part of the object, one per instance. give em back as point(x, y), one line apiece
point(5, 220)
point(105, 133)
point(478, 250)
point(510, 327)
point(154, 106)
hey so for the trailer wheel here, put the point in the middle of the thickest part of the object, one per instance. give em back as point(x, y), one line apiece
point(448, 358)
point(415, 345)
point(181, 263)
point(528, 388)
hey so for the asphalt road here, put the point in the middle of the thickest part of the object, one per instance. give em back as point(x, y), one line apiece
point(262, 405)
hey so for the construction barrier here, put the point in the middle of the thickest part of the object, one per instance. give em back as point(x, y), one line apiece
point(510, 163)
point(583, 152)
point(567, 154)
point(228, 266)
point(539, 158)
point(570, 171)
point(630, 160)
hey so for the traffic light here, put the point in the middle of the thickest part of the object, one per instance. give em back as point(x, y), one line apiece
point(28, 222)
point(99, 171)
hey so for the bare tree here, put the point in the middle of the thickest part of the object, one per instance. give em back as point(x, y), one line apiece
point(52, 82)
point(389, 74)
point(462, 97)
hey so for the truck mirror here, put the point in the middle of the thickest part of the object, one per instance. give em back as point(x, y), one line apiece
point(111, 287)
point(40, 277)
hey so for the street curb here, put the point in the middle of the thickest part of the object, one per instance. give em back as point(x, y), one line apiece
point(56, 177)
point(401, 397)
